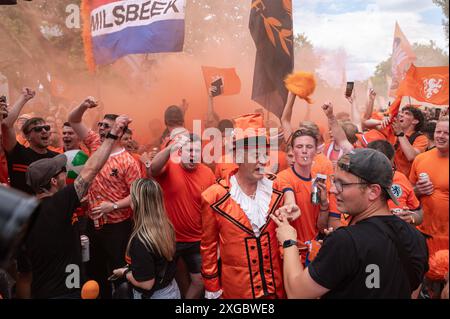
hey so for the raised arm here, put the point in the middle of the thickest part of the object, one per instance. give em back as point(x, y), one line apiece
point(369, 108)
point(337, 131)
point(212, 118)
point(76, 115)
point(159, 162)
point(14, 112)
point(9, 133)
point(286, 117)
point(99, 158)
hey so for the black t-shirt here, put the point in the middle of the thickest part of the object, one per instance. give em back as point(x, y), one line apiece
point(19, 158)
point(147, 264)
point(346, 263)
point(53, 243)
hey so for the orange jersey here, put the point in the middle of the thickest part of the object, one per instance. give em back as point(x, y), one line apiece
point(435, 206)
point(306, 224)
point(182, 198)
point(404, 191)
point(141, 165)
point(251, 266)
point(113, 182)
point(401, 162)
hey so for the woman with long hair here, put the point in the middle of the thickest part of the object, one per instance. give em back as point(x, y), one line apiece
point(151, 247)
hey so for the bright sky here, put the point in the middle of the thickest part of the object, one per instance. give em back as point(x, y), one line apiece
point(364, 29)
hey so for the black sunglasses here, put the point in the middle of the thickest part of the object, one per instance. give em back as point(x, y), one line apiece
point(39, 129)
point(105, 125)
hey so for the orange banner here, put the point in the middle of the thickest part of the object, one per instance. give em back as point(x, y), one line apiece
point(402, 57)
point(425, 84)
point(230, 79)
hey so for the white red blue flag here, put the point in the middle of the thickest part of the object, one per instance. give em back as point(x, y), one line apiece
point(113, 29)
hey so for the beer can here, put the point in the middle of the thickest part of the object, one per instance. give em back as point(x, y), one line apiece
point(84, 248)
point(315, 195)
point(424, 177)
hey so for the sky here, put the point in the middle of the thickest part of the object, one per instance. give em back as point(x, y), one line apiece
point(362, 30)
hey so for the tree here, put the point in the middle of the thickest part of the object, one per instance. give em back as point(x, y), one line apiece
point(444, 4)
point(427, 55)
point(305, 57)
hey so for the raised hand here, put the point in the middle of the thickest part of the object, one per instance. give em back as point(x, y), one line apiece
point(328, 109)
point(90, 102)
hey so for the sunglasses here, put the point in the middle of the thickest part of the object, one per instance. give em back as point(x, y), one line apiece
point(39, 129)
point(103, 125)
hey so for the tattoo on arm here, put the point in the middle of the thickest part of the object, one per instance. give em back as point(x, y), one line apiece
point(81, 187)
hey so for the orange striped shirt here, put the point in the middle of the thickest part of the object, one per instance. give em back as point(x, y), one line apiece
point(113, 182)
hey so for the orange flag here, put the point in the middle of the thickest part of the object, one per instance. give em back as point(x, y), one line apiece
point(425, 84)
point(230, 79)
point(402, 57)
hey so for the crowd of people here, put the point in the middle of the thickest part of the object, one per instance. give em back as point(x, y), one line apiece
point(358, 210)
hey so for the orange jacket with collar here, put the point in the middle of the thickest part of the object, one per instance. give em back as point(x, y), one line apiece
point(251, 267)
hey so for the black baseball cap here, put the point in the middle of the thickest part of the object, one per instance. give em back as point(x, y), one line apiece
point(372, 166)
point(40, 173)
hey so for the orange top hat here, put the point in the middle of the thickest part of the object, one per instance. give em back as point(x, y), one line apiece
point(249, 131)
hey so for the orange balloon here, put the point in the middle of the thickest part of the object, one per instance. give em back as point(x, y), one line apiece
point(90, 290)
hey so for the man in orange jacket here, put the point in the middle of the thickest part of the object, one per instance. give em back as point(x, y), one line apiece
point(236, 225)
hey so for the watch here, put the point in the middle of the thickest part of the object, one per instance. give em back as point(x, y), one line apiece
point(114, 137)
point(400, 134)
point(115, 206)
point(289, 243)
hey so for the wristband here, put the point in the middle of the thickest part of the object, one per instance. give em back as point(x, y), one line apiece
point(112, 136)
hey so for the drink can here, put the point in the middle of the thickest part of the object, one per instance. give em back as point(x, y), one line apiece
point(424, 177)
point(315, 195)
point(84, 248)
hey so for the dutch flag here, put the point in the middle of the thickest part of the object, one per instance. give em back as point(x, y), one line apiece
point(119, 28)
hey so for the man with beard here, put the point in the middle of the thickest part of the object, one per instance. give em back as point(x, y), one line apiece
point(183, 183)
point(109, 200)
point(19, 157)
point(430, 174)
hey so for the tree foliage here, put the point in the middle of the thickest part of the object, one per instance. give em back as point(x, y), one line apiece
point(444, 4)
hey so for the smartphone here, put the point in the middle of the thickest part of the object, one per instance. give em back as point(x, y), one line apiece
point(349, 89)
point(218, 84)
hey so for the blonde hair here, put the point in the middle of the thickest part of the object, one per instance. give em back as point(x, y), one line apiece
point(151, 224)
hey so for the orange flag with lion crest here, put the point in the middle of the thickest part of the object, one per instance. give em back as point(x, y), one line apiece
point(425, 84)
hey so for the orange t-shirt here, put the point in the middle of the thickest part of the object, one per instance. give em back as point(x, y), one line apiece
point(306, 224)
point(182, 197)
point(404, 191)
point(141, 165)
point(401, 162)
point(435, 206)
point(113, 182)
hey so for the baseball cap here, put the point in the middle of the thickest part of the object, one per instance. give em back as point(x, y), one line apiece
point(173, 116)
point(372, 166)
point(40, 173)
